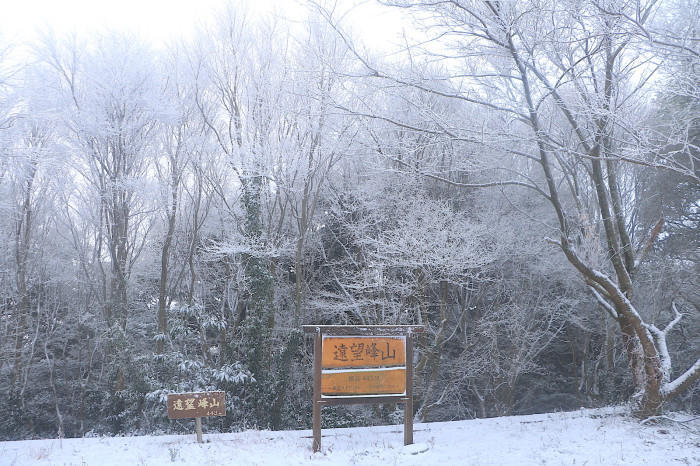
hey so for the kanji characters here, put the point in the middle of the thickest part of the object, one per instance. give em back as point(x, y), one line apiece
point(340, 353)
point(356, 350)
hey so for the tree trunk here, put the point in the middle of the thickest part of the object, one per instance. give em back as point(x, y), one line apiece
point(23, 233)
point(163, 299)
point(435, 354)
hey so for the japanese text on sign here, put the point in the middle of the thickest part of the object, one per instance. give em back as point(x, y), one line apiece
point(199, 404)
point(370, 382)
point(339, 352)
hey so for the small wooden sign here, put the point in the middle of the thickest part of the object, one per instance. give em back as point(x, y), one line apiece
point(196, 405)
point(359, 351)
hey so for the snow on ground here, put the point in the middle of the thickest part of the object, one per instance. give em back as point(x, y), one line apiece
point(586, 437)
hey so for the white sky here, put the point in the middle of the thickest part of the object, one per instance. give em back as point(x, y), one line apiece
point(154, 19)
point(163, 20)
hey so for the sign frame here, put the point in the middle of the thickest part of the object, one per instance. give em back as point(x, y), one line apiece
point(320, 400)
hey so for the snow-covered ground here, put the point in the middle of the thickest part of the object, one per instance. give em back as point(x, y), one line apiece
point(586, 437)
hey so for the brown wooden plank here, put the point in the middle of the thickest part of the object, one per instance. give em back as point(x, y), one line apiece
point(372, 382)
point(363, 329)
point(362, 351)
point(339, 400)
point(196, 404)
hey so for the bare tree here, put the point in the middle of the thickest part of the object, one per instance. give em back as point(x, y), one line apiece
point(113, 116)
point(566, 82)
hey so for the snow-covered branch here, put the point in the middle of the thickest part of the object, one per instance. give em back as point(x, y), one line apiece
point(683, 381)
point(603, 302)
point(660, 339)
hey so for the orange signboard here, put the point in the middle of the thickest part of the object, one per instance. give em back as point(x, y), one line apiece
point(363, 364)
point(368, 382)
point(341, 352)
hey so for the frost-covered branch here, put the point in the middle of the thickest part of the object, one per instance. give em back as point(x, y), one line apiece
point(660, 339)
point(683, 381)
point(603, 302)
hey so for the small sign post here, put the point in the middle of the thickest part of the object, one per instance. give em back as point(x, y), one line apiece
point(363, 364)
point(196, 405)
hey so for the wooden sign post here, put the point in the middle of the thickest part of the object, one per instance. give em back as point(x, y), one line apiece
point(363, 364)
point(196, 405)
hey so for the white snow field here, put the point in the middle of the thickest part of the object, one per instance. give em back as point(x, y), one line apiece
point(585, 437)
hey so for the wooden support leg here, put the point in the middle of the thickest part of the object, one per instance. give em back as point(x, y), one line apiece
point(198, 426)
point(317, 393)
point(408, 407)
point(408, 423)
point(317, 427)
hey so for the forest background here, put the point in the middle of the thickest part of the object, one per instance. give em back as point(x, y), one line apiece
point(521, 178)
